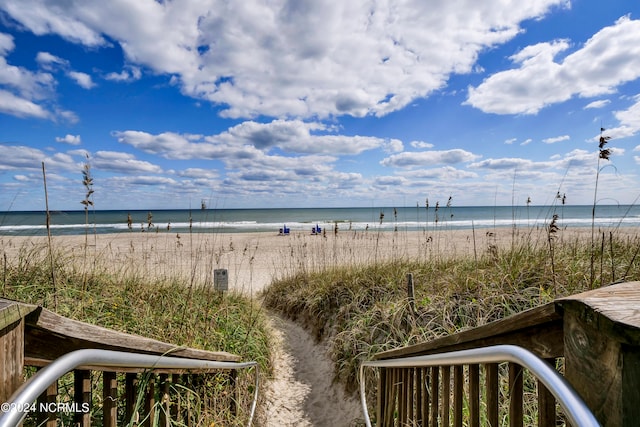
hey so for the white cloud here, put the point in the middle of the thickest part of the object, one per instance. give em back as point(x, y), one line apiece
point(510, 141)
point(20, 107)
point(70, 139)
point(597, 104)
point(129, 74)
point(6, 44)
point(556, 139)
point(421, 144)
point(289, 59)
point(82, 79)
point(122, 162)
point(429, 158)
point(608, 59)
point(49, 61)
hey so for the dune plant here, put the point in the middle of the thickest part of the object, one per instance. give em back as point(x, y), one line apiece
point(603, 154)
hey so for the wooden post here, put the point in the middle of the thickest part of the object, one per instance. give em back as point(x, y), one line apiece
point(48, 419)
point(458, 394)
point(82, 396)
point(546, 403)
point(602, 351)
point(474, 395)
point(109, 399)
point(516, 389)
point(165, 417)
point(130, 390)
point(11, 358)
point(150, 402)
point(491, 373)
point(435, 400)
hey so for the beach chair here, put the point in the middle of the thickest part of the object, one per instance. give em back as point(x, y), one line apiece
point(284, 231)
point(316, 230)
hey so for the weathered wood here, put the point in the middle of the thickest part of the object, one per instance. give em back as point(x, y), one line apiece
point(11, 358)
point(380, 393)
point(44, 326)
point(474, 395)
point(538, 329)
point(546, 404)
point(82, 397)
point(393, 393)
point(12, 311)
point(47, 418)
point(446, 394)
point(109, 399)
point(419, 417)
point(164, 418)
point(458, 393)
point(491, 382)
point(516, 415)
point(602, 347)
point(150, 402)
point(402, 396)
point(434, 399)
point(130, 394)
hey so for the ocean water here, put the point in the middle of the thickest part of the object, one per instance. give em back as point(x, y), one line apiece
point(303, 219)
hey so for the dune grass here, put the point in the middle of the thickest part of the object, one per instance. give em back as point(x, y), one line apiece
point(171, 310)
point(364, 310)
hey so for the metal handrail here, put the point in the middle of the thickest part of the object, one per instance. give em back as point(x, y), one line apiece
point(573, 406)
point(39, 382)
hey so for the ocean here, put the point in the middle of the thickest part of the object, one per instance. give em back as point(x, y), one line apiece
point(302, 219)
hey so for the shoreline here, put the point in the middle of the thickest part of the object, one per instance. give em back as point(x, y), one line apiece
point(253, 260)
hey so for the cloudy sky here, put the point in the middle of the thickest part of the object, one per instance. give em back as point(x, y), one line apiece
point(294, 103)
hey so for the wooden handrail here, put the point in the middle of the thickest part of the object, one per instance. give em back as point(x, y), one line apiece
point(31, 335)
point(596, 334)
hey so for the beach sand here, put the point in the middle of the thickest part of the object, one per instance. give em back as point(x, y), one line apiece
point(301, 392)
point(253, 260)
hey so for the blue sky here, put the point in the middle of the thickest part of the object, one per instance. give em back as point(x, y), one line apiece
point(294, 103)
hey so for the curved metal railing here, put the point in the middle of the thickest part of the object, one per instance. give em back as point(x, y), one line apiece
point(39, 382)
point(573, 406)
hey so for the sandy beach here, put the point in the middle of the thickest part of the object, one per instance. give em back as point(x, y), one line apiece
point(301, 392)
point(253, 260)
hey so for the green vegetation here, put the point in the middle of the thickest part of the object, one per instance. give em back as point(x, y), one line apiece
point(365, 310)
point(171, 311)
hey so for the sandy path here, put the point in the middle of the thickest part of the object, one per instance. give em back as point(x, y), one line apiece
point(302, 393)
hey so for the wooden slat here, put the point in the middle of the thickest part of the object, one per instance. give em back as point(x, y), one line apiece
point(109, 399)
point(150, 401)
point(402, 396)
point(474, 395)
point(391, 398)
point(419, 417)
point(48, 418)
point(516, 416)
point(491, 374)
point(82, 396)
point(130, 393)
point(164, 418)
point(446, 394)
point(11, 358)
point(44, 327)
point(434, 398)
point(458, 393)
point(538, 329)
point(380, 393)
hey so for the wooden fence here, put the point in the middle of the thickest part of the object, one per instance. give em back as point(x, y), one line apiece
point(31, 337)
point(593, 337)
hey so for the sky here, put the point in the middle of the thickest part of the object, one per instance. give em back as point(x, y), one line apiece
point(317, 103)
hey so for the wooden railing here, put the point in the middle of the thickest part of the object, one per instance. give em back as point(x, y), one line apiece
point(593, 337)
point(31, 337)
